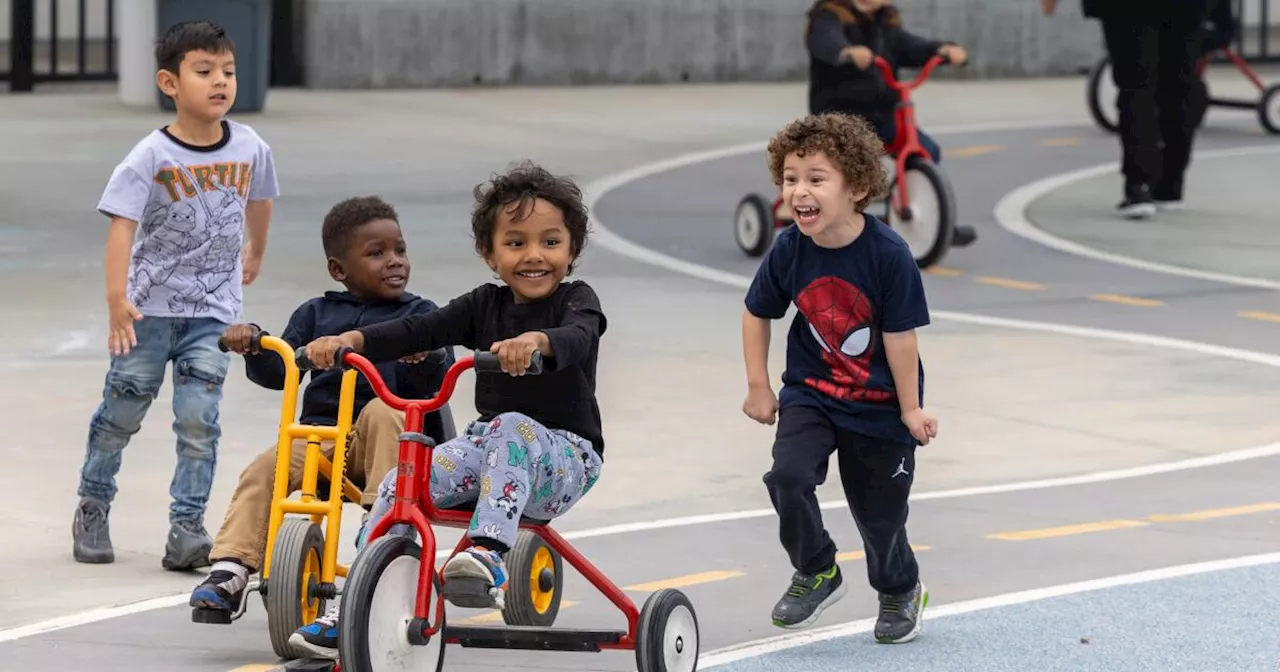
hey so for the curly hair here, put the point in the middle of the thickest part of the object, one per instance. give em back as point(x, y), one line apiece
point(848, 141)
point(515, 191)
point(345, 218)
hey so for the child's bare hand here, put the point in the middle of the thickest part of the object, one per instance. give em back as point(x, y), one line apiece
point(516, 354)
point(761, 405)
point(252, 265)
point(861, 56)
point(921, 425)
point(239, 338)
point(121, 337)
point(954, 53)
point(323, 352)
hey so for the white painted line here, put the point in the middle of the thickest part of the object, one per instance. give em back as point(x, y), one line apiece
point(1011, 215)
point(762, 647)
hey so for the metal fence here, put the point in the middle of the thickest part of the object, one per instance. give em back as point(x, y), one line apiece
point(92, 58)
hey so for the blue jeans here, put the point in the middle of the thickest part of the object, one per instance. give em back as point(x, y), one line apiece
point(134, 380)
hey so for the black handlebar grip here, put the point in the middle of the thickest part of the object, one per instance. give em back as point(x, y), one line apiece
point(487, 362)
point(339, 359)
point(255, 344)
point(302, 360)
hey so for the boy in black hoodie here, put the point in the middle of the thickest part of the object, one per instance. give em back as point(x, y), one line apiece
point(843, 39)
point(366, 253)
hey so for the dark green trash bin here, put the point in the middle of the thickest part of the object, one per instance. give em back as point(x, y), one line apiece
point(248, 23)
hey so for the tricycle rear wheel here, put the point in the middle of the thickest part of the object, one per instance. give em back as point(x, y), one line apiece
point(667, 633)
point(533, 597)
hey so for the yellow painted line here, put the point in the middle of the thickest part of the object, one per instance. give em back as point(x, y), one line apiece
point(1259, 315)
point(682, 581)
point(1006, 282)
point(1208, 514)
point(861, 555)
point(974, 150)
point(944, 272)
point(495, 616)
point(1126, 300)
point(1060, 142)
point(1067, 530)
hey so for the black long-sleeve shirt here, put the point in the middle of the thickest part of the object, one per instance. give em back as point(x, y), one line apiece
point(836, 84)
point(333, 314)
point(561, 397)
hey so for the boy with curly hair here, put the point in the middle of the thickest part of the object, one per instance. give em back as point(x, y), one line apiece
point(854, 383)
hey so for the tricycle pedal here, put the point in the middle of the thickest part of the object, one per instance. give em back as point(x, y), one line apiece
point(211, 616)
point(311, 665)
point(468, 593)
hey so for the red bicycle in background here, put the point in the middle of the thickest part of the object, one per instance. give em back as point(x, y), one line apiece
point(921, 205)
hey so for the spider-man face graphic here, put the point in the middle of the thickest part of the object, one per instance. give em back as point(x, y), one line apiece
point(840, 319)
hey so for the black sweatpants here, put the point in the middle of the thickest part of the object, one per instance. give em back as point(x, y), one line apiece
point(876, 475)
point(1161, 100)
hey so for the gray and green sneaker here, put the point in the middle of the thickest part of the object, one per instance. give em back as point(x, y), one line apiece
point(901, 616)
point(807, 597)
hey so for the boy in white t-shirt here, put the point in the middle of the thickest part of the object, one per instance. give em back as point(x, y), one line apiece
point(188, 191)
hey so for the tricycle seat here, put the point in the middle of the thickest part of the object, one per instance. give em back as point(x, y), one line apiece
point(470, 507)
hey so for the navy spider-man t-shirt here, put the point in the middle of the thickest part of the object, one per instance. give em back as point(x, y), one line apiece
point(846, 298)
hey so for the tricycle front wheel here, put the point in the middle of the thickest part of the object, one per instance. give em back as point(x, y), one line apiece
point(377, 607)
point(927, 221)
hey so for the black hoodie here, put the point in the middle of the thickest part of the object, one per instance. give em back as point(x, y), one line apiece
point(837, 85)
point(331, 315)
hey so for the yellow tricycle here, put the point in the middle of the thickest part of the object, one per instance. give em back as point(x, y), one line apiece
point(300, 568)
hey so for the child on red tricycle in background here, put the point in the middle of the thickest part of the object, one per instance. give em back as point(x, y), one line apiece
point(843, 38)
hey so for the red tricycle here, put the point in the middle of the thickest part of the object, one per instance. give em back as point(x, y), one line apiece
point(921, 205)
point(392, 587)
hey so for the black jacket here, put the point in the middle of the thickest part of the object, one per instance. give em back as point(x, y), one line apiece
point(837, 85)
point(330, 315)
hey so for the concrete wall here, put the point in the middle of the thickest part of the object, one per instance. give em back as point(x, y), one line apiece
point(430, 43)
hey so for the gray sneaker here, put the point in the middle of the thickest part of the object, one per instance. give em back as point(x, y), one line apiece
point(901, 615)
point(91, 533)
point(807, 597)
point(187, 548)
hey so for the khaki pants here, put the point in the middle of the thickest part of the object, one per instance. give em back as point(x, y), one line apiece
point(372, 450)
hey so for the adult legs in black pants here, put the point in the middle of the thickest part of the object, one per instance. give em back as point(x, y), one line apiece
point(877, 477)
point(1160, 101)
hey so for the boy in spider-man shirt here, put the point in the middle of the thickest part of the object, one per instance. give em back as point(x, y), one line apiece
point(853, 384)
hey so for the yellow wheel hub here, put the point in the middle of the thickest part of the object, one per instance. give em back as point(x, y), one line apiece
point(310, 607)
point(542, 560)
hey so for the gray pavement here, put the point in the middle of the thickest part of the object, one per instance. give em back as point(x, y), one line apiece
point(1015, 404)
point(1169, 624)
point(1230, 228)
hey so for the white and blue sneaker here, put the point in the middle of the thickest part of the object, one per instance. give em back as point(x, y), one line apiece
point(320, 637)
point(476, 579)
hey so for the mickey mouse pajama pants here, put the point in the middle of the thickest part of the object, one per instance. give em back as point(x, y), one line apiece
point(510, 467)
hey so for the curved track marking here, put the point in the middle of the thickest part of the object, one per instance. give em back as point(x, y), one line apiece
point(732, 654)
point(1011, 215)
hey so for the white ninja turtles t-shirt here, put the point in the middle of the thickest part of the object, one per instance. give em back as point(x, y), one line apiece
point(189, 203)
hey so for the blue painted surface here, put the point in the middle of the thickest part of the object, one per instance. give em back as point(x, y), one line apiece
point(1227, 621)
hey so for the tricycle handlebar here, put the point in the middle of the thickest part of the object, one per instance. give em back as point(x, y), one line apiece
point(887, 71)
point(482, 362)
